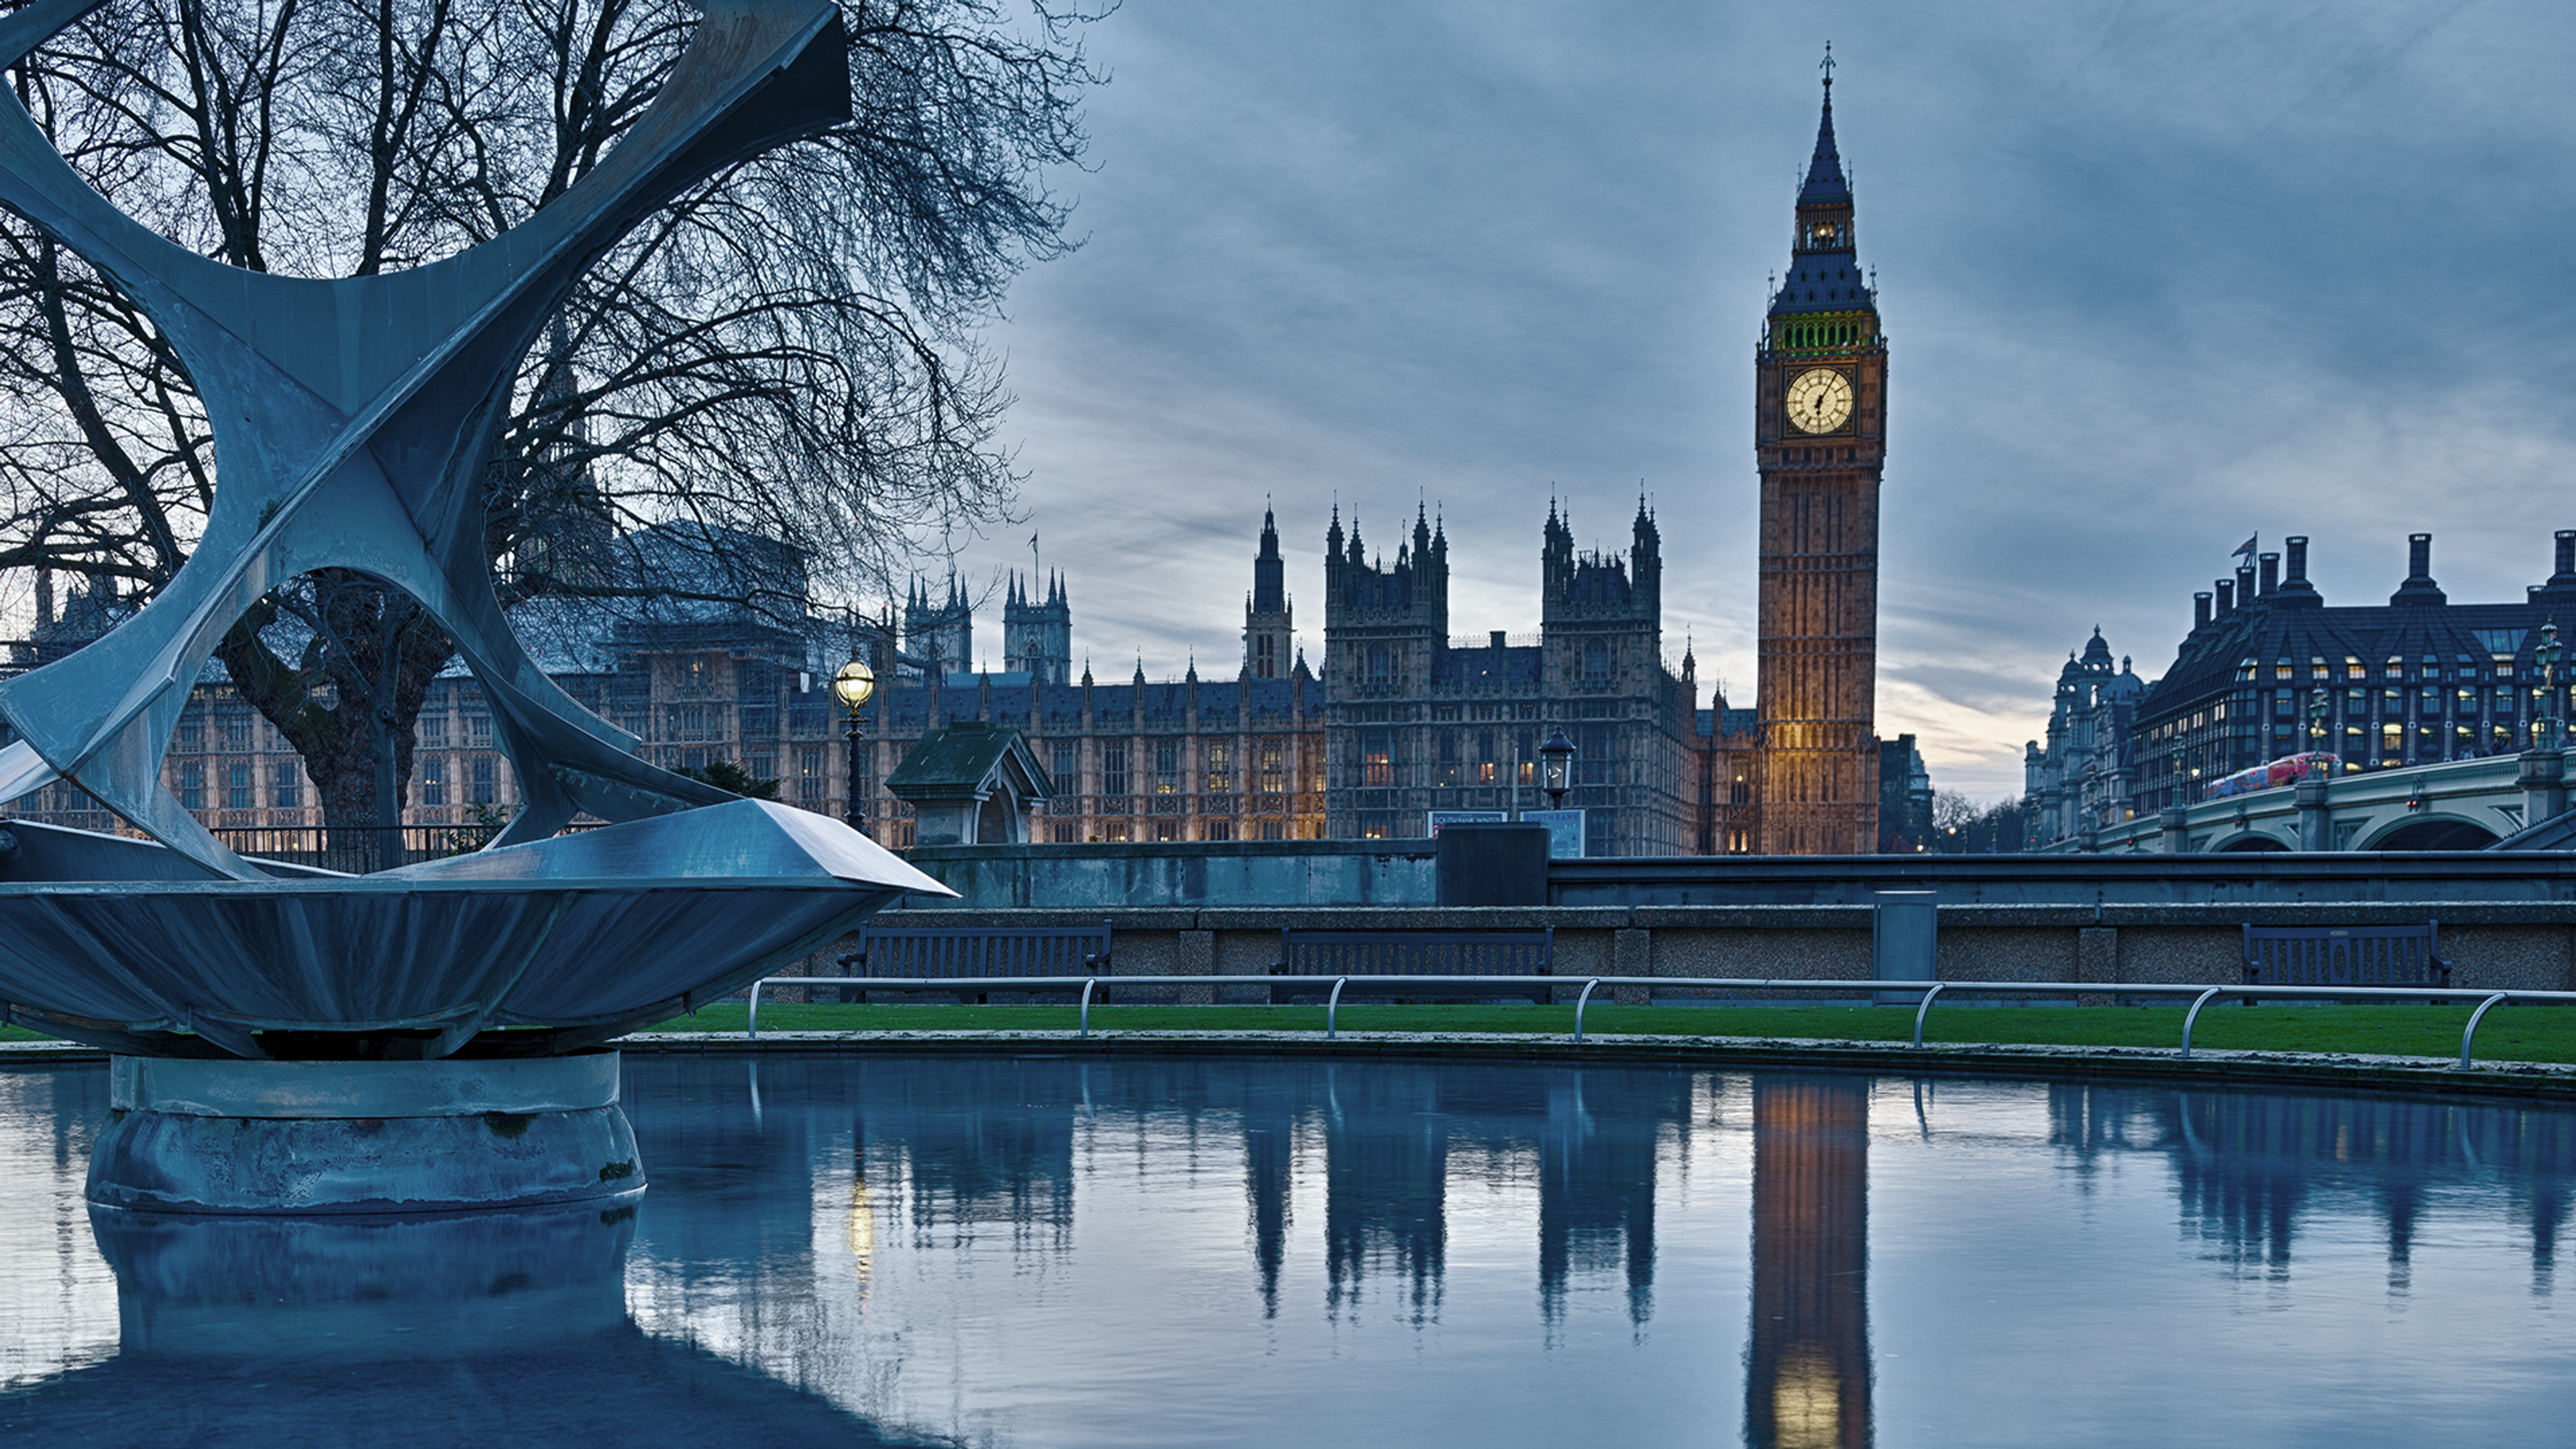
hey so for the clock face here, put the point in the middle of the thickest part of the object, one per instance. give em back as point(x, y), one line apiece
point(1820, 400)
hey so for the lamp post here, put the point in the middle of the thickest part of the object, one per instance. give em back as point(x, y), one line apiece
point(853, 686)
point(2316, 731)
point(2181, 786)
point(1556, 767)
point(2547, 657)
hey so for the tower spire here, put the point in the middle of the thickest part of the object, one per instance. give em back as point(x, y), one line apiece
point(1825, 183)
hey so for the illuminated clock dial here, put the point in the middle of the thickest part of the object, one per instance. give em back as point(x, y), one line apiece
point(1820, 400)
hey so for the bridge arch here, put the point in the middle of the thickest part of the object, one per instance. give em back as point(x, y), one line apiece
point(2248, 842)
point(2430, 832)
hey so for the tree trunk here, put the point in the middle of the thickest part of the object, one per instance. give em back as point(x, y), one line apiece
point(348, 708)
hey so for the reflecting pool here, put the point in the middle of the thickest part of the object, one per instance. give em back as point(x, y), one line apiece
point(1034, 1251)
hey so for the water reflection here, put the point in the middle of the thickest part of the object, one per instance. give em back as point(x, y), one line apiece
point(1806, 1369)
point(2249, 1168)
point(1386, 1179)
point(484, 1327)
point(1046, 1251)
point(1596, 1204)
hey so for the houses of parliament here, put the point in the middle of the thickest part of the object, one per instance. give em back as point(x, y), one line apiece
point(1399, 718)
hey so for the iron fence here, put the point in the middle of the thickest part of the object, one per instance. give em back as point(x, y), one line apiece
point(357, 849)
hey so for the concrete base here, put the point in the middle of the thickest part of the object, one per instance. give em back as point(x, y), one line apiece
point(352, 1288)
point(362, 1137)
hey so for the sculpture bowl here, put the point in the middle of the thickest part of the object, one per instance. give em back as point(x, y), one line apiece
point(113, 941)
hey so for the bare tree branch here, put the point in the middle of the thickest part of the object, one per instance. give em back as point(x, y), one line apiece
point(786, 354)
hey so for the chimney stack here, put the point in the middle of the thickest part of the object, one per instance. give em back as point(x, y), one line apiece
point(2295, 590)
point(2562, 580)
point(2200, 611)
point(2419, 587)
point(2271, 573)
point(2226, 598)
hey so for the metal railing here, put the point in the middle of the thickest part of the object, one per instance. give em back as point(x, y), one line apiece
point(357, 849)
point(1932, 991)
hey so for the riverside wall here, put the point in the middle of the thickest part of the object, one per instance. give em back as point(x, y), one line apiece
point(1404, 873)
point(2494, 945)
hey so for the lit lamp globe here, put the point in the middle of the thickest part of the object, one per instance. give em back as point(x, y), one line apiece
point(854, 685)
point(1556, 767)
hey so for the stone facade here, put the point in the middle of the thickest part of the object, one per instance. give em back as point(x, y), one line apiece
point(2270, 669)
point(2087, 772)
point(1417, 721)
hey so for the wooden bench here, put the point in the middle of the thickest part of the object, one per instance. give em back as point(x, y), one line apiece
point(1330, 954)
point(966, 952)
point(2345, 956)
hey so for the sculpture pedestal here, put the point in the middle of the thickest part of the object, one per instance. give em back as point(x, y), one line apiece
point(236, 1136)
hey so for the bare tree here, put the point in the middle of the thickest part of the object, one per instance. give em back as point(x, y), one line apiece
point(1952, 811)
point(1964, 825)
point(786, 353)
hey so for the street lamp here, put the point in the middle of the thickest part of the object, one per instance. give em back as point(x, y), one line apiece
point(2181, 786)
point(2547, 657)
point(1556, 767)
point(853, 686)
point(2316, 730)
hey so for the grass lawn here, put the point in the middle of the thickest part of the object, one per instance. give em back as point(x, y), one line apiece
point(2510, 1033)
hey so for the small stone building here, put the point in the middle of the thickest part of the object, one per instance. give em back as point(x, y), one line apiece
point(971, 783)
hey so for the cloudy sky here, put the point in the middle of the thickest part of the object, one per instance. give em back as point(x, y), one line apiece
point(2155, 277)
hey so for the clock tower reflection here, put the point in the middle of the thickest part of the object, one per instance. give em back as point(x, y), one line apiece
point(1806, 1366)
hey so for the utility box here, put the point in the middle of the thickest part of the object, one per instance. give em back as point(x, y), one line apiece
point(1905, 933)
point(1492, 864)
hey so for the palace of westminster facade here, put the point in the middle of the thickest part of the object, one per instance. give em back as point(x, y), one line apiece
point(1402, 719)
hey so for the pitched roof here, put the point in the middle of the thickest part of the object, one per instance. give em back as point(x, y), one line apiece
point(966, 759)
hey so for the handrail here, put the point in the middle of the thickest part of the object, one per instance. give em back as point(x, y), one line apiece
point(1924, 1010)
point(1581, 1002)
point(2194, 1015)
point(2475, 1017)
point(2201, 995)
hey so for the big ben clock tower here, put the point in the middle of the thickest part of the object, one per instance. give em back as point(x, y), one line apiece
point(1820, 436)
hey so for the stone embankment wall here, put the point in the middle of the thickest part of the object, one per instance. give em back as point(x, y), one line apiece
point(1403, 873)
point(1163, 873)
point(2491, 945)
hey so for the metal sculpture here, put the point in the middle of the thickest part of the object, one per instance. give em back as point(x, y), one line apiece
point(356, 418)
